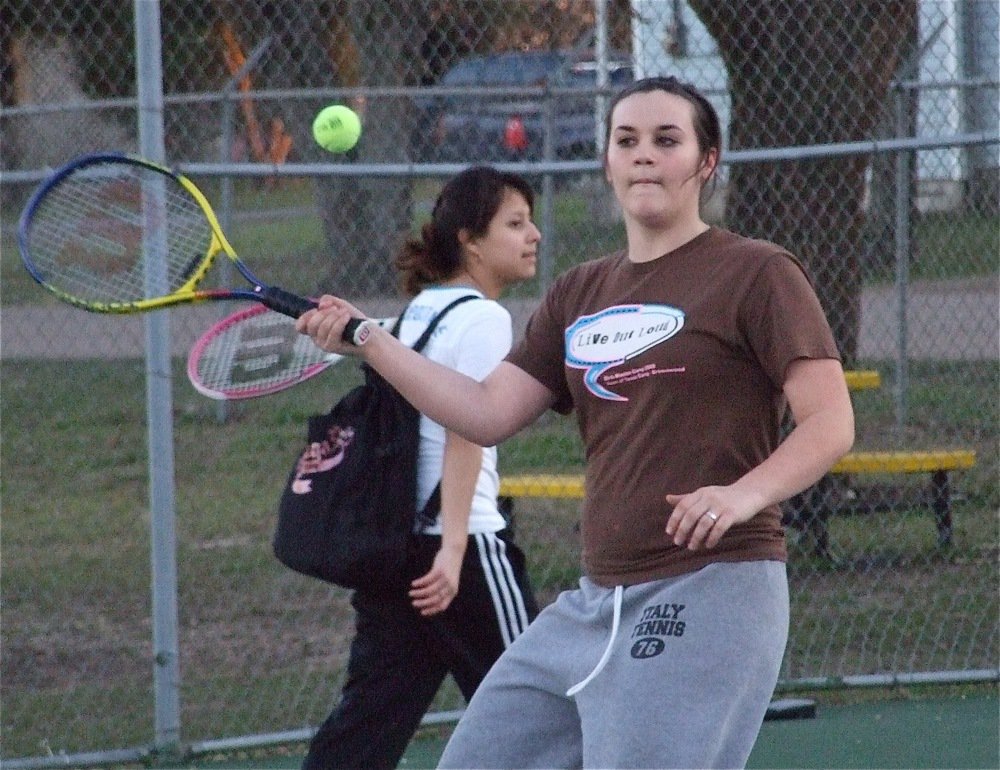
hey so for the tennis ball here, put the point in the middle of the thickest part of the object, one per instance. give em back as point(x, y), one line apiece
point(336, 128)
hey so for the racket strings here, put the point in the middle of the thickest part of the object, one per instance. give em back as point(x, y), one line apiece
point(110, 233)
point(259, 353)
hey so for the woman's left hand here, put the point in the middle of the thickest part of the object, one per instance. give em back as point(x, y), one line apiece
point(701, 518)
point(433, 592)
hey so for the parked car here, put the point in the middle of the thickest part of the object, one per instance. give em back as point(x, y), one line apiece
point(498, 126)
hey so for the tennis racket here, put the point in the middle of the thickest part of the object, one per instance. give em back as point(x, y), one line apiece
point(114, 233)
point(255, 352)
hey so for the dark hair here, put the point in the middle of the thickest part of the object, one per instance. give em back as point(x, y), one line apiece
point(469, 201)
point(706, 120)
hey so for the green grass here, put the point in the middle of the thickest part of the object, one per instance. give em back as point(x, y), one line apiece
point(947, 245)
point(50, 713)
point(551, 444)
point(76, 553)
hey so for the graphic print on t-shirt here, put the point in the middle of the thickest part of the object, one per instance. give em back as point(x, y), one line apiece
point(609, 338)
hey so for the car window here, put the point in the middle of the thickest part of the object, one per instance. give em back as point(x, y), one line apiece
point(584, 75)
point(463, 74)
point(503, 70)
point(535, 70)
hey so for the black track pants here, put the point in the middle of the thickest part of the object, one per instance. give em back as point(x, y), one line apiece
point(399, 659)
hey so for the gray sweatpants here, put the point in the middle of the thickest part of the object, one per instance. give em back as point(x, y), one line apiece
point(691, 672)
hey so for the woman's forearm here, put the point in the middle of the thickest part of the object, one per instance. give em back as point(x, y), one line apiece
point(460, 470)
point(484, 413)
point(824, 431)
point(805, 456)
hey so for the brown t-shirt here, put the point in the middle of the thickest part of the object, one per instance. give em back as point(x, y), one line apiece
point(675, 369)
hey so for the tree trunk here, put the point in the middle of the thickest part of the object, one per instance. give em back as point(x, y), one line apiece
point(366, 220)
point(806, 72)
point(345, 43)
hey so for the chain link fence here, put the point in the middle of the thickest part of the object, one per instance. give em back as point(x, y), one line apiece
point(861, 135)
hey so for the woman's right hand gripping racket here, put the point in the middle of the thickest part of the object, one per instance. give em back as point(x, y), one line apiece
point(253, 353)
point(114, 233)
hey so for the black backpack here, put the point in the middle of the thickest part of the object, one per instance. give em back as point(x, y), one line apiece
point(348, 508)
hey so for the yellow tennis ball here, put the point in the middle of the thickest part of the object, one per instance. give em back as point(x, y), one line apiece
point(336, 128)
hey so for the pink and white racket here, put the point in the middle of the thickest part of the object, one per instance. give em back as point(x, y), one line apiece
point(255, 352)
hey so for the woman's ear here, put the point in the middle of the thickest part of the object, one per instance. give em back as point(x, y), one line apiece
point(709, 165)
point(466, 241)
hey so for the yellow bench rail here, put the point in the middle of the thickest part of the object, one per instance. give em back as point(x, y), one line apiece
point(906, 462)
point(863, 379)
point(570, 485)
point(542, 485)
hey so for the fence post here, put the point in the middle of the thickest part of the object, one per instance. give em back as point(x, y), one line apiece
point(902, 249)
point(159, 408)
point(601, 80)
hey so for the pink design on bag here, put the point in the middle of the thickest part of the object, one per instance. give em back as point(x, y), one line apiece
point(321, 456)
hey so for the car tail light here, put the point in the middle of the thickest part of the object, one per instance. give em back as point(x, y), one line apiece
point(514, 136)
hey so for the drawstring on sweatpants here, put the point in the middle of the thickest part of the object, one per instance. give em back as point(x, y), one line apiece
point(616, 617)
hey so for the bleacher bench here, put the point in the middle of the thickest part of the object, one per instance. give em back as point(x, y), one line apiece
point(938, 463)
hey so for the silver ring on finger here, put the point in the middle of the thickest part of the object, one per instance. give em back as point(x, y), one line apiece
point(712, 515)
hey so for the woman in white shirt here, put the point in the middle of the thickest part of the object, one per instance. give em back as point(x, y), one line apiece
point(470, 596)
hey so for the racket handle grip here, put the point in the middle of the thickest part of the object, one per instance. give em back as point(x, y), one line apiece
point(293, 305)
point(283, 302)
point(356, 332)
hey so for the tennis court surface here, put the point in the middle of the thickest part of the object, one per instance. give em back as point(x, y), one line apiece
point(944, 732)
point(931, 733)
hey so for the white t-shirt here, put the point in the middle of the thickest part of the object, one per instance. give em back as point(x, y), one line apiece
point(472, 338)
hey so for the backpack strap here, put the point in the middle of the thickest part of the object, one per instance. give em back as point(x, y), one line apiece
point(431, 509)
point(422, 340)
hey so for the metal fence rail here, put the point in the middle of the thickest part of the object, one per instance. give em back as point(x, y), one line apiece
point(143, 615)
